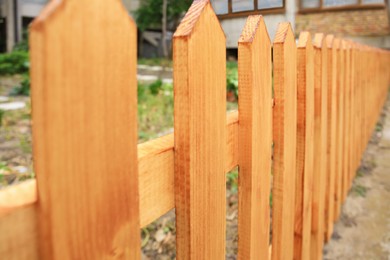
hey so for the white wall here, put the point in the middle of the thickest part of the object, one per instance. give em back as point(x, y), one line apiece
point(234, 26)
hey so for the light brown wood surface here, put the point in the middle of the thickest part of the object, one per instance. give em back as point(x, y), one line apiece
point(347, 119)
point(284, 135)
point(255, 139)
point(18, 222)
point(200, 134)
point(320, 145)
point(85, 146)
point(331, 136)
point(305, 146)
point(340, 126)
point(156, 192)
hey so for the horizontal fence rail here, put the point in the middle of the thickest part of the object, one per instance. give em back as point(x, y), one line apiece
point(306, 113)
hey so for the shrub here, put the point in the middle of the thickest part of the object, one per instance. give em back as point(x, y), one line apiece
point(232, 78)
point(24, 87)
point(15, 62)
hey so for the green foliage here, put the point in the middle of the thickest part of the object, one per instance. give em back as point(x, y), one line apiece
point(15, 62)
point(149, 14)
point(22, 89)
point(155, 87)
point(232, 180)
point(232, 78)
point(2, 112)
point(163, 62)
point(3, 170)
point(155, 109)
point(23, 44)
point(359, 190)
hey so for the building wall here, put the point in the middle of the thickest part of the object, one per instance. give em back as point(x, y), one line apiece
point(233, 27)
point(366, 26)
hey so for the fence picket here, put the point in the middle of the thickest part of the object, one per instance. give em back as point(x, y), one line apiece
point(340, 125)
point(320, 145)
point(284, 135)
point(200, 129)
point(255, 139)
point(347, 119)
point(305, 146)
point(331, 137)
point(84, 93)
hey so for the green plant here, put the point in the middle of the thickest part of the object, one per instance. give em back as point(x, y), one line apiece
point(22, 89)
point(3, 170)
point(149, 14)
point(2, 113)
point(23, 44)
point(25, 144)
point(15, 62)
point(359, 190)
point(232, 180)
point(232, 78)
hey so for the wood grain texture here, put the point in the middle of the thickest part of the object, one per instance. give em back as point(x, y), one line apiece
point(331, 136)
point(352, 129)
point(18, 222)
point(347, 119)
point(200, 134)
point(305, 146)
point(156, 171)
point(156, 188)
point(84, 109)
point(320, 145)
point(340, 126)
point(255, 139)
point(284, 135)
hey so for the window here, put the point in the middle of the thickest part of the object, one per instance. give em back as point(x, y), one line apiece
point(326, 5)
point(235, 8)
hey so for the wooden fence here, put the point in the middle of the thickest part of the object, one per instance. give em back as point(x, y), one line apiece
point(303, 122)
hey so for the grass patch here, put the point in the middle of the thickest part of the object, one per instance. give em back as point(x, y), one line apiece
point(359, 190)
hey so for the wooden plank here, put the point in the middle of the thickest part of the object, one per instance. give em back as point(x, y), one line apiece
point(200, 128)
point(255, 139)
point(305, 146)
point(352, 142)
point(340, 125)
point(84, 89)
point(347, 119)
point(156, 171)
point(320, 145)
point(331, 136)
point(18, 222)
point(156, 188)
point(284, 134)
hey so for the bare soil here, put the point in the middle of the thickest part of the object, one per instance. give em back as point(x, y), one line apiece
point(15, 138)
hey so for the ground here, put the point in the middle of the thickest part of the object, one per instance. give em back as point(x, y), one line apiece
point(363, 231)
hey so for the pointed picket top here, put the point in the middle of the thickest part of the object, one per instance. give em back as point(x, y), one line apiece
point(343, 44)
point(329, 40)
point(255, 139)
point(284, 136)
point(189, 22)
point(252, 25)
point(284, 30)
point(336, 43)
point(304, 40)
point(318, 40)
point(72, 55)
